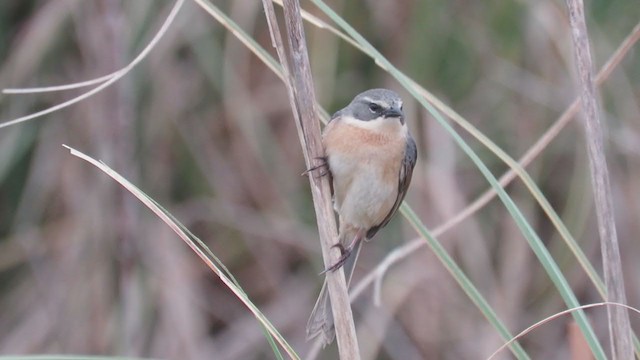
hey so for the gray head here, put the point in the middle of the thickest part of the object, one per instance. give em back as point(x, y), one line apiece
point(373, 104)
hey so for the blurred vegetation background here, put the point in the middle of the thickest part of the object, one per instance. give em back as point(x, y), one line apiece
point(205, 128)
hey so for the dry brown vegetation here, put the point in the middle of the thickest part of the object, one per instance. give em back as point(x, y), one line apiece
point(205, 128)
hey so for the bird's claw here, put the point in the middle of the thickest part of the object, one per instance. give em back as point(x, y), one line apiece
point(323, 164)
point(346, 252)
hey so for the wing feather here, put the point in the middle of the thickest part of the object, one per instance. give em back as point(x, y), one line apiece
point(406, 171)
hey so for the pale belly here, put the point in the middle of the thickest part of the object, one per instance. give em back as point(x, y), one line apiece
point(363, 195)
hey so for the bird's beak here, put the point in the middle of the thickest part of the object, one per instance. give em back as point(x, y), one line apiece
point(392, 112)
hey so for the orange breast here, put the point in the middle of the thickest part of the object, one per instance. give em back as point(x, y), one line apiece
point(384, 149)
point(365, 164)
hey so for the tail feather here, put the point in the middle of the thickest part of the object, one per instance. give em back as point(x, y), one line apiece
point(321, 320)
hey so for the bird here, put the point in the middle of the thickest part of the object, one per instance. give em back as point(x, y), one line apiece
point(369, 155)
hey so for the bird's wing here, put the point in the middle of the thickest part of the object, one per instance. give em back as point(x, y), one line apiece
point(328, 128)
point(406, 171)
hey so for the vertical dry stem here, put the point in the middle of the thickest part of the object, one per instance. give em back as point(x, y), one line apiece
point(619, 327)
point(301, 95)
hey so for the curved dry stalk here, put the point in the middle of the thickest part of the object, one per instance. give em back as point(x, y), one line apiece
point(108, 79)
point(195, 244)
point(524, 332)
point(63, 87)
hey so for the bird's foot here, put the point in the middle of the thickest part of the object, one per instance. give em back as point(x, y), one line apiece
point(345, 251)
point(323, 165)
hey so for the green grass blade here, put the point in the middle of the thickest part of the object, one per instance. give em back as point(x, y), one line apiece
point(187, 237)
point(223, 268)
point(449, 264)
point(464, 282)
point(515, 165)
point(529, 183)
point(534, 240)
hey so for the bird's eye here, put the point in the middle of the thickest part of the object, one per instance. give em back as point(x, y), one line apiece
point(374, 107)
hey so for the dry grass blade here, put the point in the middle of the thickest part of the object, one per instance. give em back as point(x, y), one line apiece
point(187, 239)
point(619, 326)
point(61, 87)
point(108, 79)
point(524, 332)
point(302, 99)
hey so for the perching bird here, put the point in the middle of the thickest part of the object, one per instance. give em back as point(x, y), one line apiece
point(370, 155)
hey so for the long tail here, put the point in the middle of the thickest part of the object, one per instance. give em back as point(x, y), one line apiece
point(321, 320)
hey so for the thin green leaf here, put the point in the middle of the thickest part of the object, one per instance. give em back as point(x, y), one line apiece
point(466, 284)
point(532, 237)
point(177, 227)
point(448, 262)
